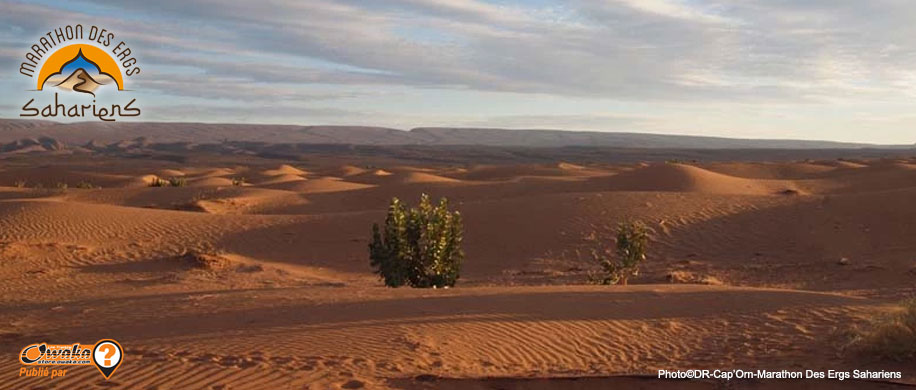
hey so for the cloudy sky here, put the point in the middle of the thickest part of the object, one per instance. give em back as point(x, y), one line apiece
point(819, 69)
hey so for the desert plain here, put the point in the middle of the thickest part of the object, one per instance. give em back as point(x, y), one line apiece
point(254, 273)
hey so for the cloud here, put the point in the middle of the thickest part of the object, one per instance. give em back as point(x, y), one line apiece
point(622, 49)
point(234, 89)
point(279, 113)
point(601, 122)
point(667, 53)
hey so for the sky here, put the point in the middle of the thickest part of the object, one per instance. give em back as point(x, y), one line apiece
point(841, 70)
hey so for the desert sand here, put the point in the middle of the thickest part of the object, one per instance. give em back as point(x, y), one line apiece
point(265, 283)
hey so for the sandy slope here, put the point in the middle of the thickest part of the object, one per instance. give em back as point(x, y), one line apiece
point(331, 336)
point(293, 301)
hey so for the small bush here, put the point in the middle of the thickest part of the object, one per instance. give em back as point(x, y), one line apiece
point(622, 262)
point(173, 181)
point(238, 181)
point(85, 185)
point(889, 337)
point(419, 247)
point(20, 183)
point(176, 181)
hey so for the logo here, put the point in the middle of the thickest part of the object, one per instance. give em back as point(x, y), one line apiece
point(80, 74)
point(77, 64)
point(106, 355)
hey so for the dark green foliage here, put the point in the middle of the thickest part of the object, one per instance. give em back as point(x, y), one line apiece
point(174, 181)
point(177, 181)
point(419, 247)
point(623, 263)
point(84, 185)
point(389, 254)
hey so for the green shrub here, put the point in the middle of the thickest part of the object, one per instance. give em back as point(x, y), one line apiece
point(419, 247)
point(173, 181)
point(177, 181)
point(618, 265)
point(889, 337)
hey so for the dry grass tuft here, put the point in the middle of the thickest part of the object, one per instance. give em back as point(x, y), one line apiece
point(892, 336)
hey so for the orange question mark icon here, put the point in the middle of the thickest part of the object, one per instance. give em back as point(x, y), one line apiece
point(109, 352)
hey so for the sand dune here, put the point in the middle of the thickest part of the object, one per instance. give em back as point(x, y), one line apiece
point(280, 178)
point(421, 177)
point(568, 332)
point(846, 164)
point(210, 181)
point(778, 171)
point(350, 170)
point(268, 285)
point(209, 172)
point(169, 173)
point(51, 176)
point(378, 176)
point(284, 170)
point(221, 199)
point(495, 173)
point(569, 166)
point(320, 185)
point(687, 178)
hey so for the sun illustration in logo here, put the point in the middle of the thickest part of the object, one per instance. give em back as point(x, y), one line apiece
point(80, 68)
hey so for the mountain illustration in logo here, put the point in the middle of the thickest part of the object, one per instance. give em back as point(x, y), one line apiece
point(79, 75)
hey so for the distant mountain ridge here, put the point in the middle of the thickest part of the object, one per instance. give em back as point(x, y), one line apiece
point(12, 130)
point(548, 138)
